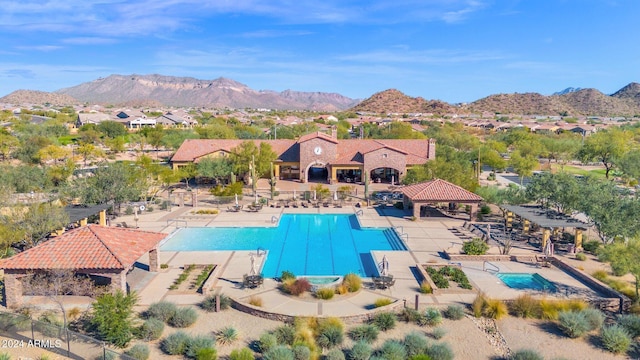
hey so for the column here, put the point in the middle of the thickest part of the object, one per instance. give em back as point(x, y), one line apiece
point(473, 212)
point(194, 198)
point(416, 210)
point(154, 265)
point(509, 220)
point(83, 222)
point(119, 281)
point(334, 174)
point(103, 218)
point(13, 290)
point(578, 239)
point(276, 171)
point(546, 234)
point(526, 225)
point(181, 199)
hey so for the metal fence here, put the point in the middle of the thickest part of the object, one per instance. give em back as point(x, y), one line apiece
point(25, 332)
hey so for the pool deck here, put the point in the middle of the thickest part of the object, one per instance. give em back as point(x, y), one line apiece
point(427, 240)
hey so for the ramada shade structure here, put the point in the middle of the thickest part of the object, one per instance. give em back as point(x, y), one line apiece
point(438, 191)
point(95, 250)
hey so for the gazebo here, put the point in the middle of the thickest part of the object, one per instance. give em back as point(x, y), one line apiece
point(108, 252)
point(438, 191)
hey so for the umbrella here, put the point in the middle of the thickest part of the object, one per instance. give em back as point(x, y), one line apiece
point(253, 265)
point(392, 179)
point(548, 249)
point(236, 199)
point(294, 194)
point(385, 266)
point(335, 196)
point(488, 231)
point(256, 198)
point(314, 195)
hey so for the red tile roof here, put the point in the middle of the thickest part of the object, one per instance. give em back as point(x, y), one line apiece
point(439, 190)
point(88, 247)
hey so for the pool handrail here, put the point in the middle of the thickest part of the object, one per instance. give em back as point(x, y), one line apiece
point(484, 267)
point(274, 219)
point(177, 221)
point(359, 212)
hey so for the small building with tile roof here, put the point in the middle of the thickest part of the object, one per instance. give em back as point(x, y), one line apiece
point(438, 191)
point(108, 252)
point(320, 156)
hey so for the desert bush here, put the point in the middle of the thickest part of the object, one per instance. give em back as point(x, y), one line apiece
point(615, 339)
point(425, 287)
point(196, 343)
point(594, 317)
point(382, 302)
point(335, 354)
point(600, 275)
point(296, 287)
point(207, 354)
point(241, 354)
point(581, 256)
point(420, 357)
point(325, 293)
point(151, 329)
point(138, 352)
point(285, 334)
point(162, 310)
point(364, 333)
point(266, 342)
point(384, 320)
point(476, 246)
point(255, 300)
point(175, 344)
point(591, 246)
point(440, 351)
point(360, 351)
point(352, 281)
point(439, 333)
point(287, 275)
point(573, 324)
point(329, 337)
point(342, 289)
point(454, 312)
point(525, 306)
point(432, 316)
point(301, 352)
point(478, 304)
point(392, 350)
point(409, 315)
point(631, 323)
point(227, 335)
point(183, 317)
point(437, 277)
point(279, 352)
point(495, 309)
point(415, 343)
point(209, 302)
point(526, 354)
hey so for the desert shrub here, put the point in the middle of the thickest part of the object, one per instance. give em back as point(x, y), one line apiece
point(581, 256)
point(196, 343)
point(108, 355)
point(526, 354)
point(439, 333)
point(384, 320)
point(573, 324)
point(393, 350)
point(151, 329)
point(325, 293)
point(184, 317)
point(335, 354)
point(352, 281)
point(525, 306)
point(437, 277)
point(113, 317)
point(382, 302)
point(227, 335)
point(615, 339)
point(301, 352)
point(285, 334)
point(600, 275)
point(574, 304)
point(162, 310)
point(364, 333)
point(485, 209)
point(420, 357)
point(454, 312)
point(286, 275)
point(209, 302)
point(476, 246)
point(409, 315)
point(415, 343)
point(595, 318)
point(342, 289)
point(50, 325)
point(478, 304)
point(550, 310)
point(207, 354)
point(432, 316)
point(279, 352)
point(591, 246)
point(138, 352)
point(241, 354)
point(175, 344)
point(631, 323)
point(329, 337)
point(360, 351)
point(425, 287)
point(266, 342)
point(440, 351)
point(495, 309)
point(255, 300)
point(296, 287)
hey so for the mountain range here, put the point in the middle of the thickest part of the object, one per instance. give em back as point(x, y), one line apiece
point(159, 90)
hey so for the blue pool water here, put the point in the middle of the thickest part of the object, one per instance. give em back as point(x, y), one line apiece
point(305, 244)
point(526, 281)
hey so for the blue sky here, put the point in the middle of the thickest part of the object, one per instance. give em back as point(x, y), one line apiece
point(451, 50)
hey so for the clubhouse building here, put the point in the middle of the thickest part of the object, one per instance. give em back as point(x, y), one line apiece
point(319, 157)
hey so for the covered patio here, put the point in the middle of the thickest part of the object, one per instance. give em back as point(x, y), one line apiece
point(438, 191)
point(94, 250)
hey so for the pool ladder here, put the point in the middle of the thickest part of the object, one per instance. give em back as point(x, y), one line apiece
point(492, 268)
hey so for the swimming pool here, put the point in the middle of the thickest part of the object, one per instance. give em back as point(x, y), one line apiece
point(305, 244)
point(526, 281)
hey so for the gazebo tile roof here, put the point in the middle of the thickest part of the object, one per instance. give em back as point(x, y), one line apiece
point(88, 247)
point(439, 190)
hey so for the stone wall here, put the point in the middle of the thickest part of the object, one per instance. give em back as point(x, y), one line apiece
point(385, 158)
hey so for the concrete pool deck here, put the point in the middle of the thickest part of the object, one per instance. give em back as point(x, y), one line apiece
point(426, 239)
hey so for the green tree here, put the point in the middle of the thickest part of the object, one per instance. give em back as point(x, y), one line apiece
point(629, 163)
point(154, 136)
point(248, 152)
point(561, 191)
point(607, 147)
point(217, 168)
point(450, 165)
point(39, 221)
point(113, 317)
point(523, 165)
point(88, 152)
point(8, 143)
point(623, 257)
point(113, 183)
point(112, 129)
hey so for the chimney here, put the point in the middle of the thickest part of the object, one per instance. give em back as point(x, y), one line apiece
point(334, 132)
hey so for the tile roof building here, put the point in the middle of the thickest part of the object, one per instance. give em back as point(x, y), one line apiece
point(321, 156)
point(94, 250)
point(438, 191)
